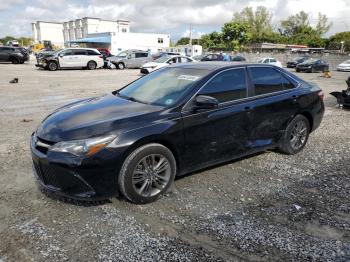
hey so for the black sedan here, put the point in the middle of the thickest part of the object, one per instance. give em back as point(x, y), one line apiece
point(176, 120)
point(296, 61)
point(312, 66)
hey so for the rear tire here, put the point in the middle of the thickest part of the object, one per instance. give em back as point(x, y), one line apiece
point(92, 65)
point(147, 173)
point(121, 66)
point(295, 136)
point(52, 66)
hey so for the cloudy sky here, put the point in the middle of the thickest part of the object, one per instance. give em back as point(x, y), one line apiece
point(162, 16)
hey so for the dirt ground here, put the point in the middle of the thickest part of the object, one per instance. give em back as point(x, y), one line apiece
point(268, 207)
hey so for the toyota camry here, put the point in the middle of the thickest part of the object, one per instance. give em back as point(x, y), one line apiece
point(174, 121)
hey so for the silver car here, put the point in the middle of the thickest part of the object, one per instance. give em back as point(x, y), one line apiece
point(130, 59)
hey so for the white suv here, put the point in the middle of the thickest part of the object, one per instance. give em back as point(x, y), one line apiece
point(72, 58)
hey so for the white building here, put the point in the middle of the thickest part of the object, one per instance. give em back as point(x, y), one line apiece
point(48, 31)
point(96, 32)
point(62, 33)
point(119, 41)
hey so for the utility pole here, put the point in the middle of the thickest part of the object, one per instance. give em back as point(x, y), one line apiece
point(190, 35)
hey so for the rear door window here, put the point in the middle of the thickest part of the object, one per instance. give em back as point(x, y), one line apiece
point(79, 52)
point(268, 80)
point(227, 86)
point(139, 55)
point(92, 52)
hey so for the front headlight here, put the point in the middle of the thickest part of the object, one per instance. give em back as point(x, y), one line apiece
point(85, 147)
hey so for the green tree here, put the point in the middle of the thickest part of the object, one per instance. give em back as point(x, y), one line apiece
point(259, 21)
point(235, 34)
point(295, 24)
point(6, 39)
point(323, 25)
point(183, 41)
point(335, 41)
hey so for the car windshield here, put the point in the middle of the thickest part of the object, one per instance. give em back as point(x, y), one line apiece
point(346, 62)
point(164, 87)
point(162, 59)
point(122, 54)
point(54, 52)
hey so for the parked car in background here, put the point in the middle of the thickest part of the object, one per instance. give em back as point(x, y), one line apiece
point(345, 66)
point(163, 62)
point(270, 61)
point(212, 57)
point(130, 59)
point(15, 55)
point(72, 58)
point(158, 55)
point(296, 61)
point(238, 58)
point(312, 65)
point(198, 57)
point(177, 120)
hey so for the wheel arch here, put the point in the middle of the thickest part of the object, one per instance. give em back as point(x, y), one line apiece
point(157, 140)
point(309, 118)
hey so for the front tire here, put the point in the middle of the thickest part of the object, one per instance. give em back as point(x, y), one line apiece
point(121, 66)
point(147, 173)
point(52, 66)
point(295, 136)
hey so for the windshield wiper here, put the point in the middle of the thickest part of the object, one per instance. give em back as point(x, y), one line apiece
point(133, 99)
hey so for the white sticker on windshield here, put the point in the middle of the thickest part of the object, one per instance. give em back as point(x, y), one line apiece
point(188, 77)
point(169, 101)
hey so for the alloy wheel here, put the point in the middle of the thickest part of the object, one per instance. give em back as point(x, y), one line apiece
point(151, 175)
point(298, 135)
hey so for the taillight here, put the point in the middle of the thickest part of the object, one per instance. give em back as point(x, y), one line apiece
point(321, 95)
point(100, 56)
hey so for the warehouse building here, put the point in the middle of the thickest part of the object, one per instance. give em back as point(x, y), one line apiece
point(96, 32)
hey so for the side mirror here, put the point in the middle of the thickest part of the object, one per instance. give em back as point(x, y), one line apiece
point(60, 55)
point(170, 62)
point(205, 102)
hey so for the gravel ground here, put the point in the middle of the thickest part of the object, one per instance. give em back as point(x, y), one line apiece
point(265, 207)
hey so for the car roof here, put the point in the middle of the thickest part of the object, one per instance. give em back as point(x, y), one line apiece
point(213, 66)
point(79, 48)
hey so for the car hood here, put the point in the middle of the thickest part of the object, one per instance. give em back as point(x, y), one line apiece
point(153, 64)
point(344, 64)
point(95, 117)
point(115, 58)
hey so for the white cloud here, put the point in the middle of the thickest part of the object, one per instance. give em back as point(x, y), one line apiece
point(162, 16)
point(7, 4)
